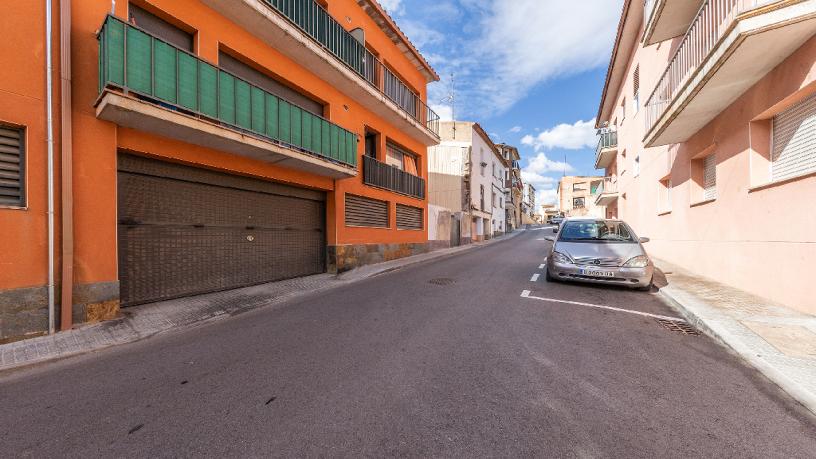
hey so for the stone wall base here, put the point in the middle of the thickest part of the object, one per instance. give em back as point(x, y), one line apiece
point(24, 311)
point(342, 258)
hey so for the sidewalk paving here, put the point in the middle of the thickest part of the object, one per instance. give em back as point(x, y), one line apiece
point(778, 341)
point(140, 322)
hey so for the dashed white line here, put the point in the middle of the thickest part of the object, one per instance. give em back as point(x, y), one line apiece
point(535, 277)
point(541, 266)
point(526, 294)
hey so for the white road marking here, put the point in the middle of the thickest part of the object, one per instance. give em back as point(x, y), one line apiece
point(534, 278)
point(526, 294)
point(541, 266)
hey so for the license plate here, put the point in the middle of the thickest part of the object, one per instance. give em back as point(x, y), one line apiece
point(593, 273)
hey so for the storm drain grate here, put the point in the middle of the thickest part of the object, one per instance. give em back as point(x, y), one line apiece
point(678, 326)
point(442, 281)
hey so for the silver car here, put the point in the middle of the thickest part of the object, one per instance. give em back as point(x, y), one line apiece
point(598, 250)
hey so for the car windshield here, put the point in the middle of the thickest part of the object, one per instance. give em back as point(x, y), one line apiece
point(596, 231)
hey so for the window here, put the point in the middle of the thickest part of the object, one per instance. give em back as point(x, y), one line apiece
point(710, 177)
point(366, 212)
point(794, 134)
point(372, 143)
point(623, 110)
point(577, 203)
point(578, 187)
point(482, 162)
point(409, 217)
point(664, 203)
point(401, 159)
point(481, 197)
point(159, 27)
point(636, 90)
point(636, 168)
point(12, 166)
point(594, 186)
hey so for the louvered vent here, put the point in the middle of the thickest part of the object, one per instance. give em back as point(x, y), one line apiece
point(409, 217)
point(794, 141)
point(366, 212)
point(710, 177)
point(12, 147)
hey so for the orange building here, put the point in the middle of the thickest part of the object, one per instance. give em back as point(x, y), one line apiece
point(201, 145)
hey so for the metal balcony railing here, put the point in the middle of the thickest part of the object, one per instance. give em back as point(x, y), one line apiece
point(712, 22)
point(316, 22)
point(608, 139)
point(381, 175)
point(134, 61)
point(648, 8)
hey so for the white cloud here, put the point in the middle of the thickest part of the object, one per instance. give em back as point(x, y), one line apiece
point(541, 164)
point(392, 6)
point(515, 129)
point(523, 43)
point(537, 180)
point(575, 136)
point(445, 112)
point(548, 196)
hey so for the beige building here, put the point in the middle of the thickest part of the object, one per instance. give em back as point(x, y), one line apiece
point(711, 114)
point(577, 196)
point(464, 196)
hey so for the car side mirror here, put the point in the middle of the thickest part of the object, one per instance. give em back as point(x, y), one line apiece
point(555, 229)
point(644, 240)
point(550, 238)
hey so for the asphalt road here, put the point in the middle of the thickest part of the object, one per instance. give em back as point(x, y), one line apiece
point(398, 366)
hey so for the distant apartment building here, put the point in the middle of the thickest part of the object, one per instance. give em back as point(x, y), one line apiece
point(577, 196)
point(513, 186)
point(202, 145)
point(707, 132)
point(528, 203)
point(464, 194)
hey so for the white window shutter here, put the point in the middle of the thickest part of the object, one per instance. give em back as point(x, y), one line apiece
point(794, 141)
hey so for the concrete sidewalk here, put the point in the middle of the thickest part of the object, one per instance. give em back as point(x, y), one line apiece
point(778, 341)
point(143, 321)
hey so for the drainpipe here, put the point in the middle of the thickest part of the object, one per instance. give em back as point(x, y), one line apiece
point(67, 161)
point(49, 100)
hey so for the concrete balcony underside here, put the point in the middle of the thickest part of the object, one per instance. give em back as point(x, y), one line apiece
point(755, 44)
point(669, 19)
point(144, 116)
point(285, 37)
point(605, 156)
point(606, 198)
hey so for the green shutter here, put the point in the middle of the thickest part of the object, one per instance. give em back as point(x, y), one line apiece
point(243, 112)
point(139, 61)
point(297, 134)
point(114, 42)
point(272, 116)
point(164, 71)
point(284, 121)
point(188, 81)
point(324, 137)
point(226, 97)
point(307, 131)
point(208, 87)
point(335, 143)
point(316, 142)
point(258, 109)
point(351, 139)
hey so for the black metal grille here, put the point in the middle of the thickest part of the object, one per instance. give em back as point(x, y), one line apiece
point(12, 161)
point(379, 174)
point(362, 211)
point(678, 326)
point(409, 217)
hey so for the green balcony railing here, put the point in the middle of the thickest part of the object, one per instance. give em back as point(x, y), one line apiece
point(133, 60)
point(313, 19)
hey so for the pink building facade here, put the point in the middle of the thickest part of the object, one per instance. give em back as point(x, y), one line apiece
point(709, 143)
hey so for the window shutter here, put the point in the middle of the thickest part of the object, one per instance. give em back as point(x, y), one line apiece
point(794, 141)
point(366, 212)
point(12, 163)
point(710, 177)
point(409, 217)
point(636, 81)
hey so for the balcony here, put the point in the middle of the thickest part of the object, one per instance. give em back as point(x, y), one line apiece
point(665, 19)
point(607, 192)
point(607, 149)
point(147, 84)
point(730, 45)
point(306, 33)
point(381, 175)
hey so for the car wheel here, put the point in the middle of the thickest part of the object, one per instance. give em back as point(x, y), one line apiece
point(548, 277)
point(647, 288)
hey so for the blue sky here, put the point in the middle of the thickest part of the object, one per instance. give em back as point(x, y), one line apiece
point(529, 71)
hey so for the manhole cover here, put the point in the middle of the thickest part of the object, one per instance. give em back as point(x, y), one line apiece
point(442, 281)
point(678, 326)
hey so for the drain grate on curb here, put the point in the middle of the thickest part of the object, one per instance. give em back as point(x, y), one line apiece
point(442, 281)
point(678, 326)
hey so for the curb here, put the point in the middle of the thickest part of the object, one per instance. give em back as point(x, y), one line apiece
point(692, 310)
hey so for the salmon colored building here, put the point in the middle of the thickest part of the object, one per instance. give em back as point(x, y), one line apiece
point(708, 139)
point(188, 146)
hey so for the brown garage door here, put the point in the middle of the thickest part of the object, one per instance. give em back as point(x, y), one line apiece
point(184, 230)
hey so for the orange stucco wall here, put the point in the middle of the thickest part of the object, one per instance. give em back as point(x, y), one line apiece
point(95, 142)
